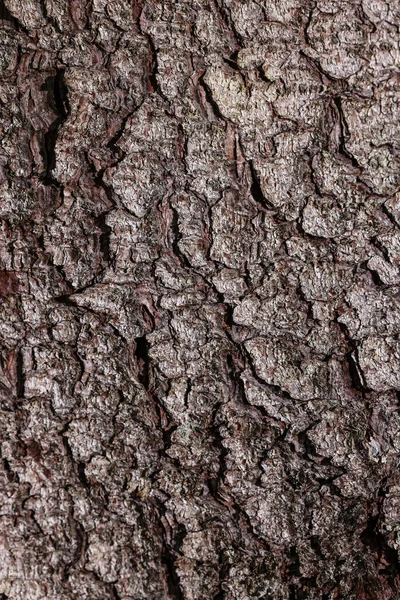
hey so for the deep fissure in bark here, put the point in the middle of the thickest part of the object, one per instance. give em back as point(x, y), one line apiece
point(58, 93)
point(199, 273)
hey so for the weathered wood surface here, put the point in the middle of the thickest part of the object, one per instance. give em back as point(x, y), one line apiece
point(199, 315)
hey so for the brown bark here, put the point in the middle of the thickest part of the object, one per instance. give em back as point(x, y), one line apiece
point(199, 299)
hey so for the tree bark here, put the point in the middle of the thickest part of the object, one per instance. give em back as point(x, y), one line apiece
point(199, 284)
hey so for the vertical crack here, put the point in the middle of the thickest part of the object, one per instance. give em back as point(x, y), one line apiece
point(389, 562)
point(152, 82)
point(56, 85)
point(344, 133)
point(20, 387)
point(255, 188)
point(173, 580)
point(142, 355)
point(82, 475)
point(210, 100)
point(104, 239)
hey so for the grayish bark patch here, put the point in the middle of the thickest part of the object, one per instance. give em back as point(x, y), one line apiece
point(199, 300)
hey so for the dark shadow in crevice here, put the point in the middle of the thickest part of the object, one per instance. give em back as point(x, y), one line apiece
point(210, 99)
point(142, 355)
point(255, 188)
point(389, 564)
point(82, 474)
point(58, 98)
point(20, 376)
point(7, 19)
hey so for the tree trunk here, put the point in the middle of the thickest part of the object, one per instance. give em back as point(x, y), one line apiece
point(199, 287)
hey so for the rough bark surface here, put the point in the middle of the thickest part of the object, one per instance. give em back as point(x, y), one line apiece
point(199, 284)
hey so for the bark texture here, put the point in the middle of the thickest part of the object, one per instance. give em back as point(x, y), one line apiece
point(199, 254)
